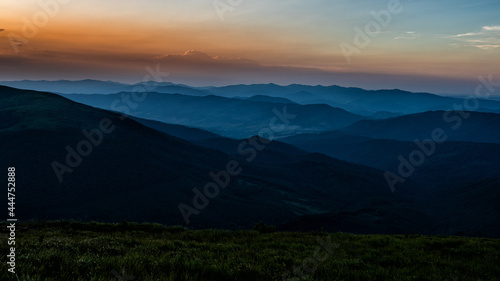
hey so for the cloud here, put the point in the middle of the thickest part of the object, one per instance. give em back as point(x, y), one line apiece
point(408, 35)
point(487, 38)
point(487, 47)
point(492, 28)
point(193, 57)
point(188, 55)
point(1, 29)
point(466, 34)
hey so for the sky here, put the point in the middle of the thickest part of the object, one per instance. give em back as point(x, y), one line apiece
point(432, 46)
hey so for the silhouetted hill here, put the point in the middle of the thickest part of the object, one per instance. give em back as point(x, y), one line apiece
point(460, 180)
point(474, 209)
point(356, 100)
point(87, 86)
point(183, 132)
point(225, 116)
point(263, 98)
point(373, 103)
point(458, 126)
point(140, 174)
point(451, 163)
point(176, 89)
point(273, 152)
point(90, 86)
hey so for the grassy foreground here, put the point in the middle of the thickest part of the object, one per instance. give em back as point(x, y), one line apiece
point(94, 251)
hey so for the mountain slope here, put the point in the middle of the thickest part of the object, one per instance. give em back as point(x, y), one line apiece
point(90, 86)
point(140, 174)
point(450, 164)
point(272, 152)
point(459, 180)
point(87, 86)
point(183, 132)
point(229, 117)
point(457, 125)
point(356, 100)
point(263, 98)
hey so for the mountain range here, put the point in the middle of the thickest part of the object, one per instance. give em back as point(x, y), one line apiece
point(137, 173)
point(237, 118)
point(385, 103)
point(78, 157)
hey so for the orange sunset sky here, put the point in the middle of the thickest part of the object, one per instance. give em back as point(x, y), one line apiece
point(425, 46)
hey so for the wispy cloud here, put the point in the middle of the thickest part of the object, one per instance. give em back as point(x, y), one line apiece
point(486, 39)
point(408, 35)
point(200, 58)
point(492, 28)
point(466, 34)
point(487, 47)
point(1, 29)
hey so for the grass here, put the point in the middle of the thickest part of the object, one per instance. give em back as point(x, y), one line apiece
point(94, 251)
